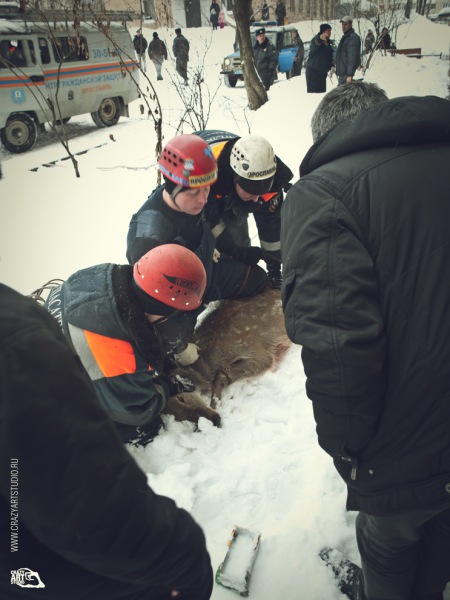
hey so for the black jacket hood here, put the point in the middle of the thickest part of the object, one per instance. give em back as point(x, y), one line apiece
point(402, 121)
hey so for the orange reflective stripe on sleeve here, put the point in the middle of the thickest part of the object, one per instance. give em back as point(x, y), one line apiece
point(114, 357)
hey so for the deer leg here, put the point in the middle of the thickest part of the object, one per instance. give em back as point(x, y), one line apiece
point(220, 382)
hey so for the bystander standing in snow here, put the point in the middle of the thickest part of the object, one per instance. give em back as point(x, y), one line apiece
point(365, 244)
point(157, 52)
point(140, 45)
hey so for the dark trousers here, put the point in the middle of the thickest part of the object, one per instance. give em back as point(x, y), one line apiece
point(181, 68)
point(405, 556)
point(316, 82)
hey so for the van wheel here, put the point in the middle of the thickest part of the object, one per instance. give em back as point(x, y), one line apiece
point(62, 121)
point(230, 81)
point(19, 134)
point(108, 114)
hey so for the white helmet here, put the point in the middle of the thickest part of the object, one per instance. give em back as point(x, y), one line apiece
point(254, 163)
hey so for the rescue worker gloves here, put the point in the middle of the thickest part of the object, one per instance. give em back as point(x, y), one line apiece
point(250, 255)
point(188, 356)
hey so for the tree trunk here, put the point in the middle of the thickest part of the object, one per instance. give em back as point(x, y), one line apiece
point(256, 93)
point(408, 7)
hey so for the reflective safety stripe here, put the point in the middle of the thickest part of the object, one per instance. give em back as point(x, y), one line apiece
point(114, 357)
point(218, 229)
point(270, 247)
point(103, 356)
point(84, 352)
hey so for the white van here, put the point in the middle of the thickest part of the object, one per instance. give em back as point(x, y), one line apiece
point(42, 67)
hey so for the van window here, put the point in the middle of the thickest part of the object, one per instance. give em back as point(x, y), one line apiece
point(44, 51)
point(12, 54)
point(70, 49)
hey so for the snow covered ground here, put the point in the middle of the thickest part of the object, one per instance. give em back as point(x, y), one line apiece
point(263, 469)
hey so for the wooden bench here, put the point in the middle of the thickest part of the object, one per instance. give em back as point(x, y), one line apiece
point(410, 52)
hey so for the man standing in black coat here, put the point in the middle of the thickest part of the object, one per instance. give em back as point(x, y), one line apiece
point(157, 52)
point(365, 247)
point(266, 58)
point(86, 524)
point(280, 11)
point(180, 49)
point(320, 61)
point(348, 55)
point(214, 11)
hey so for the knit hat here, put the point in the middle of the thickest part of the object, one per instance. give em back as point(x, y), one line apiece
point(155, 35)
point(254, 187)
point(178, 30)
point(150, 305)
point(170, 187)
point(324, 27)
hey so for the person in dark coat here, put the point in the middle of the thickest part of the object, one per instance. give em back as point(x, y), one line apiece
point(265, 12)
point(280, 12)
point(266, 58)
point(385, 40)
point(320, 61)
point(369, 41)
point(140, 45)
point(298, 58)
point(234, 196)
point(348, 55)
point(88, 525)
point(214, 11)
point(157, 52)
point(180, 49)
point(174, 213)
point(115, 317)
point(366, 292)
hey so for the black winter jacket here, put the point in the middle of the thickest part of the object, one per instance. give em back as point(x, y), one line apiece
point(366, 292)
point(87, 521)
point(119, 348)
point(266, 61)
point(348, 55)
point(225, 207)
point(320, 57)
point(140, 44)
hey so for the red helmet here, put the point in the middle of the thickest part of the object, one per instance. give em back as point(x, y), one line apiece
point(172, 275)
point(188, 161)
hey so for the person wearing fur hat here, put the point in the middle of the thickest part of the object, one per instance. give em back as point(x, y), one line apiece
point(320, 61)
point(266, 58)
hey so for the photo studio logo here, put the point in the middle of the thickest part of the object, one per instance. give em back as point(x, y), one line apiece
point(26, 578)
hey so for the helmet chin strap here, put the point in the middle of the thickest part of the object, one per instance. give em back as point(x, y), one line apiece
point(174, 193)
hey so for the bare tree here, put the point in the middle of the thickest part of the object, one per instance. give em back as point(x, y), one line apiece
point(70, 17)
point(256, 93)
